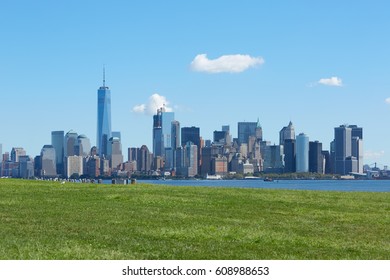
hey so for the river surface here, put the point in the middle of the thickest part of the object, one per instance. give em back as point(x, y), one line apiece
point(323, 185)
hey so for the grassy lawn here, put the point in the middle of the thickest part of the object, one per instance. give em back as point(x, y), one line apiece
point(49, 220)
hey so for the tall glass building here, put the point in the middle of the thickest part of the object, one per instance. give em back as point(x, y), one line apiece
point(104, 118)
point(48, 161)
point(246, 129)
point(57, 141)
point(302, 153)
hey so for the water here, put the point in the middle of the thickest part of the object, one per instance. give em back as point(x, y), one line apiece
point(323, 185)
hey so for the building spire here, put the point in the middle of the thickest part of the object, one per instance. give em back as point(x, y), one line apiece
point(104, 75)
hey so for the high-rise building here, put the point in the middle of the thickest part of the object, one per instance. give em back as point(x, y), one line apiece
point(117, 134)
point(158, 139)
point(192, 134)
point(348, 149)
point(289, 155)
point(175, 141)
point(302, 153)
point(343, 148)
point(175, 135)
point(273, 161)
point(70, 144)
point(316, 159)
point(57, 141)
point(84, 145)
point(48, 161)
point(26, 167)
point(166, 124)
point(132, 154)
point(1, 153)
point(115, 152)
point(144, 162)
point(357, 152)
point(328, 162)
point(74, 166)
point(287, 132)
point(104, 118)
point(16, 152)
point(190, 159)
point(357, 146)
point(246, 129)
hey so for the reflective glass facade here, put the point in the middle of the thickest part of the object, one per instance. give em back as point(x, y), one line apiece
point(104, 120)
point(302, 153)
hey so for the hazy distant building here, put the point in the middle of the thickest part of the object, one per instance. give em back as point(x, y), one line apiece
point(16, 152)
point(92, 168)
point(1, 154)
point(302, 153)
point(190, 159)
point(70, 144)
point(84, 145)
point(287, 132)
point(57, 141)
point(316, 159)
point(166, 124)
point(74, 166)
point(219, 165)
point(132, 154)
point(115, 152)
point(26, 167)
point(175, 134)
point(104, 118)
point(48, 161)
point(357, 152)
point(144, 161)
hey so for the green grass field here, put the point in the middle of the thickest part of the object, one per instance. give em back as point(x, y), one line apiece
point(49, 220)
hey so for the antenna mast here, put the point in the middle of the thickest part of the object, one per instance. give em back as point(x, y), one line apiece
point(104, 75)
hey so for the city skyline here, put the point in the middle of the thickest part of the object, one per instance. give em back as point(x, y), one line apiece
point(212, 64)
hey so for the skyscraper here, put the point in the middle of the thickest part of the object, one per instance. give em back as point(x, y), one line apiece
point(57, 141)
point(1, 153)
point(70, 143)
point(192, 134)
point(190, 159)
point(104, 117)
point(16, 153)
point(158, 140)
point(84, 145)
point(289, 155)
point(348, 149)
point(302, 153)
point(316, 159)
point(167, 118)
point(175, 135)
point(343, 147)
point(246, 129)
point(115, 152)
point(48, 161)
point(287, 132)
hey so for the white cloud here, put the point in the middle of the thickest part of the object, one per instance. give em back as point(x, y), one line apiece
point(333, 81)
point(155, 102)
point(235, 63)
point(387, 100)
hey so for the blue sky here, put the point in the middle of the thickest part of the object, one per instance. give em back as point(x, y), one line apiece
point(317, 63)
